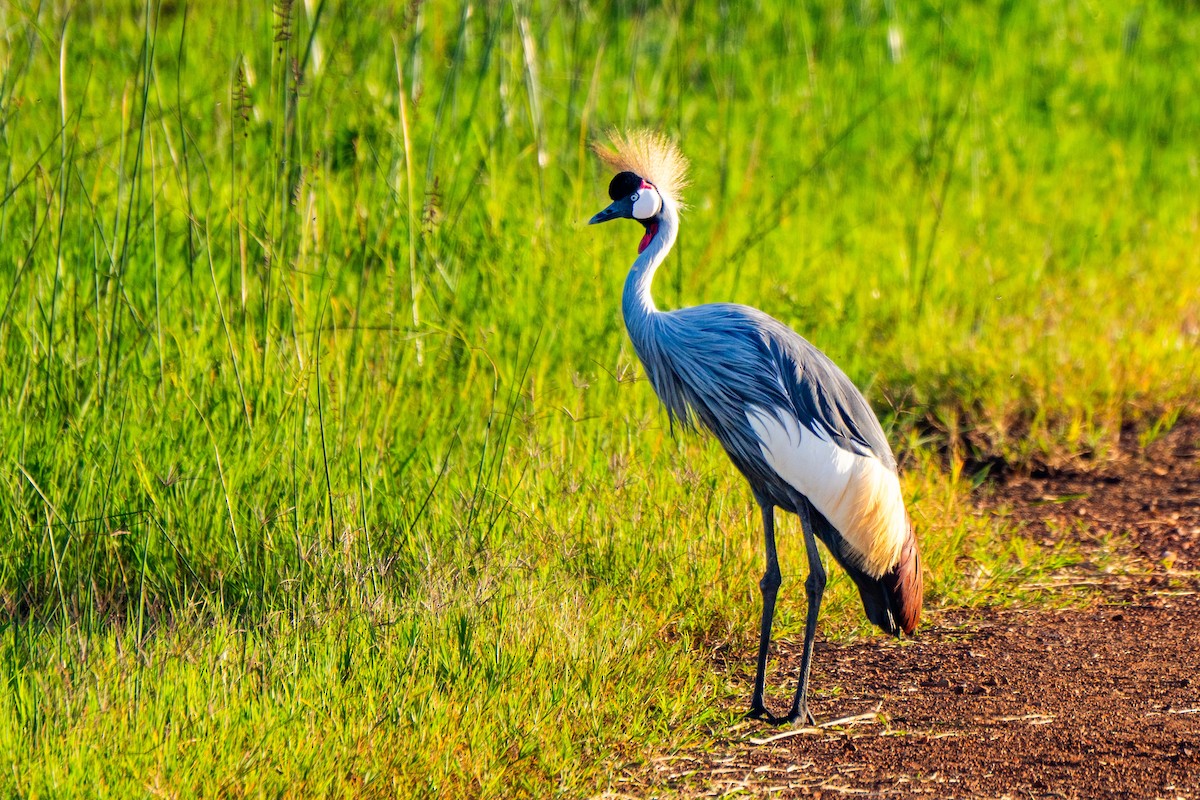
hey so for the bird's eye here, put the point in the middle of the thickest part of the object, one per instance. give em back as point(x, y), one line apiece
point(634, 197)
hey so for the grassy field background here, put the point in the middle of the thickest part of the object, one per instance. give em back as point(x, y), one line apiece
point(325, 464)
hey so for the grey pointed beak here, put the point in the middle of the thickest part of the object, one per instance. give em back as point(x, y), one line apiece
point(619, 209)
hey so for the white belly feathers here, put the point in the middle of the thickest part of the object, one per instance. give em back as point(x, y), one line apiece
point(856, 493)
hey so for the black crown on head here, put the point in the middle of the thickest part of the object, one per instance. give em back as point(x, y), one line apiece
point(624, 184)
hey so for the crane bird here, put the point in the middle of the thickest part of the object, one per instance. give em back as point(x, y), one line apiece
point(790, 420)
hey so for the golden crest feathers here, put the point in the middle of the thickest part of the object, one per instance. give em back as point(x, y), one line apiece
point(649, 154)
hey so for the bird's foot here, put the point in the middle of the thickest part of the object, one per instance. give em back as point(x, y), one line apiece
point(759, 711)
point(803, 716)
point(763, 715)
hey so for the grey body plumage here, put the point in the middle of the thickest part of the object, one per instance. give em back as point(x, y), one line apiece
point(709, 363)
point(727, 368)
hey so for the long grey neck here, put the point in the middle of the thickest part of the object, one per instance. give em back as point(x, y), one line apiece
point(637, 302)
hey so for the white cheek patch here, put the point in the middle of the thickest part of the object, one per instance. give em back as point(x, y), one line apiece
point(646, 203)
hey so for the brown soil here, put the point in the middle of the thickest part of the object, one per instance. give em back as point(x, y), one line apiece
point(1093, 703)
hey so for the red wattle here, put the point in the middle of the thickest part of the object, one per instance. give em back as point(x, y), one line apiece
point(651, 231)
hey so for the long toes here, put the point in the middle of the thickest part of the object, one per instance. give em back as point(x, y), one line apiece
point(763, 715)
point(759, 712)
point(803, 717)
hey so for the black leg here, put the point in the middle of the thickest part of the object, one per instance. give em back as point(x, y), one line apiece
point(814, 588)
point(770, 588)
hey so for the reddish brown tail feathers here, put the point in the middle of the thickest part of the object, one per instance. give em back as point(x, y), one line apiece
point(904, 585)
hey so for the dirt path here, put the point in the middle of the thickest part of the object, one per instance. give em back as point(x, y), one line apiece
point(1098, 703)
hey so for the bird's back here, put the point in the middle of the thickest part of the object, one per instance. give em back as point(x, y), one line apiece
point(800, 431)
point(709, 364)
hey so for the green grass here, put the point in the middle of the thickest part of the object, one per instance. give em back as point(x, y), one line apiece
point(325, 464)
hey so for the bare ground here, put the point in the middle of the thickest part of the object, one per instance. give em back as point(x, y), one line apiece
point(1093, 703)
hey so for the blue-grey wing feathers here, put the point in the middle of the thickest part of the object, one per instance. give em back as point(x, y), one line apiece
point(822, 395)
point(710, 363)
